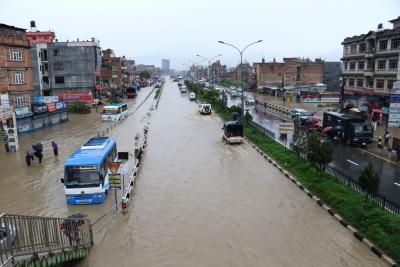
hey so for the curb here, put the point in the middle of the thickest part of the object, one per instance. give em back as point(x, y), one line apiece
point(358, 235)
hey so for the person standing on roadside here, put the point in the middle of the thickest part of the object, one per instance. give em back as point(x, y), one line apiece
point(55, 148)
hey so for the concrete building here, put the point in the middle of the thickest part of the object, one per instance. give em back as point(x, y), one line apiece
point(35, 36)
point(74, 66)
point(15, 68)
point(40, 69)
point(218, 70)
point(128, 70)
point(165, 66)
point(331, 76)
point(370, 65)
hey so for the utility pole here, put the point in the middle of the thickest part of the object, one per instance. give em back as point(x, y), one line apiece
point(241, 62)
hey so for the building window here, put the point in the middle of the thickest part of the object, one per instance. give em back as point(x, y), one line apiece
point(381, 64)
point(46, 37)
point(346, 50)
point(352, 65)
point(395, 44)
point(344, 81)
point(16, 55)
point(393, 64)
point(19, 35)
point(345, 65)
point(353, 49)
point(390, 84)
point(361, 65)
point(360, 83)
point(34, 37)
point(59, 79)
point(351, 82)
point(298, 73)
point(383, 45)
point(362, 48)
point(58, 66)
point(380, 84)
point(18, 77)
point(57, 52)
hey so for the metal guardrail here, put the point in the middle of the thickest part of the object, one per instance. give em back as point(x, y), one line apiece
point(24, 237)
point(380, 199)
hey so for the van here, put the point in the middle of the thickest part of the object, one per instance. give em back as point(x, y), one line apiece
point(205, 109)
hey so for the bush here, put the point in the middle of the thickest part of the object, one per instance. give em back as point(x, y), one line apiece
point(78, 107)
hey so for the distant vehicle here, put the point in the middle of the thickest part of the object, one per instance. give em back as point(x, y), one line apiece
point(313, 123)
point(239, 89)
point(205, 109)
point(86, 171)
point(349, 128)
point(232, 87)
point(250, 101)
point(297, 113)
point(233, 132)
point(143, 83)
point(183, 89)
point(131, 91)
point(115, 112)
point(8, 233)
point(192, 96)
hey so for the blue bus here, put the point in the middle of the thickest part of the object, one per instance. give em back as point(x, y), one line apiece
point(86, 171)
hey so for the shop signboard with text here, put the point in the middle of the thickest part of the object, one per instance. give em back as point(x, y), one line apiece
point(394, 108)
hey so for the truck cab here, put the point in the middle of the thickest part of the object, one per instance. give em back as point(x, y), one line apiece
point(233, 132)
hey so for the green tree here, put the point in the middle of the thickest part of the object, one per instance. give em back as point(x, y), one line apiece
point(325, 154)
point(299, 142)
point(145, 74)
point(369, 180)
point(312, 148)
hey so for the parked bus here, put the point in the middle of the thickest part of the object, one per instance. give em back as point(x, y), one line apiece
point(115, 112)
point(347, 127)
point(131, 92)
point(86, 171)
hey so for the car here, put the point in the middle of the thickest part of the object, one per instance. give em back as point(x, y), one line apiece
point(313, 123)
point(205, 108)
point(183, 89)
point(192, 96)
point(232, 87)
point(250, 101)
point(239, 89)
point(8, 233)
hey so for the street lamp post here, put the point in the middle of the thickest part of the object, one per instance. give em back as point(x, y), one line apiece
point(209, 65)
point(241, 62)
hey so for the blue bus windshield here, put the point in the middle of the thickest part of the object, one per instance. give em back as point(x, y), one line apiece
point(79, 179)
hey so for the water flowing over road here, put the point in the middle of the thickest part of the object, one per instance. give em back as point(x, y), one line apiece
point(200, 202)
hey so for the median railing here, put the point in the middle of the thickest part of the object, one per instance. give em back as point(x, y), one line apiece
point(380, 199)
point(26, 238)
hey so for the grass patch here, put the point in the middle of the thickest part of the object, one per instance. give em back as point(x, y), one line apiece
point(378, 225)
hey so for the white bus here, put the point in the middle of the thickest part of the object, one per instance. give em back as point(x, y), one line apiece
point(115, 112)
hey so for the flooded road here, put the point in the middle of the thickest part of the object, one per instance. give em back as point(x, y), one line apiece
point(199, 202)
point(37, 190)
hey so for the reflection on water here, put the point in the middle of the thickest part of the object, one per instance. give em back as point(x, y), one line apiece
point(37, 190)
point(199, 202)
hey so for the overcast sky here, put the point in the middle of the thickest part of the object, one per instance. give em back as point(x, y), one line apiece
point(149, 30)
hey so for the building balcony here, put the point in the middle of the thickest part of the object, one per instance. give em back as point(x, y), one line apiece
point(386, 71)
point(387, 52)
point(355, 55)
point(353, 71)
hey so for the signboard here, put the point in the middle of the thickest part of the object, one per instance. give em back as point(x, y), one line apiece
point(51, 107)
point(45, 99)
point(61, 105)
point(286, 127)
point(39, 108)
point(85, 97)
point(115, 181)
point(394, 107)
point(6, 113)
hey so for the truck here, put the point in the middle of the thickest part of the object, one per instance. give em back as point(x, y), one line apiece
point(349, 128)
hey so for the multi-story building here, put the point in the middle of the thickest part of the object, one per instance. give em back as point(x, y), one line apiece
point(74, 66)
point(165, 66)
point(35, 36)
point(294, 76)
point(15, 67)
point(331, 76)
point(128, 70)
point(370, 65)
point(218, 70)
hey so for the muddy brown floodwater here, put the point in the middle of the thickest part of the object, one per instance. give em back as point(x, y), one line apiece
point(37, 190)
point(200, 202)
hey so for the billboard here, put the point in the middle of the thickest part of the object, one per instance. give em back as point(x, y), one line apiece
point(394, 107)
point(85, 97)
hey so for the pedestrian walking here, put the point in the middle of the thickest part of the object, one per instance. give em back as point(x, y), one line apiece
point(28, 158)
point(55, 148)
